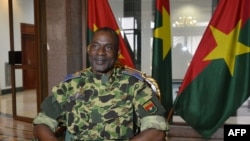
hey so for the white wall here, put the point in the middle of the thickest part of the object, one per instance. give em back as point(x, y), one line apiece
point(4, 40)
point(23, 13)
point(146, 36)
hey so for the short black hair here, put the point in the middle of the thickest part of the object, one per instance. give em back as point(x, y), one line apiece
point(112, 31)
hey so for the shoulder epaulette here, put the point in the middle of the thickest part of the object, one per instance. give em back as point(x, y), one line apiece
point(74, 75)
point(71, 76)
point(133, 72)
point(143, 77)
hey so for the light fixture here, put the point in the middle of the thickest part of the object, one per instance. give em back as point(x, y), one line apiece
point(185, 21)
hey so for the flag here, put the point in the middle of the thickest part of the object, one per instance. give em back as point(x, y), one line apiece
point(217, 82)
point(161, 64)
point(100, 15)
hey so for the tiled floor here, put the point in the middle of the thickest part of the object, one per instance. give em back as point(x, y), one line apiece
point(12, 130)
point(26, 103)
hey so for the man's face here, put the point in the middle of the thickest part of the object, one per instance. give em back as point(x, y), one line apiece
point(102, 52)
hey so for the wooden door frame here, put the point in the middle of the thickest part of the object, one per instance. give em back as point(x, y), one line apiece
point(40, 31)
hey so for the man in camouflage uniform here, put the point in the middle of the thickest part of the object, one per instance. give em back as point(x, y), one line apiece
point(103, 102)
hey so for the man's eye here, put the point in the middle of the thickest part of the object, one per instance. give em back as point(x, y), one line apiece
point(95, 46)
point(108, 47)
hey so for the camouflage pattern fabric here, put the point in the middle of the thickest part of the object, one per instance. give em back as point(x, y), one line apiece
point(100, 107)
point(41, 118)
point(158, 122)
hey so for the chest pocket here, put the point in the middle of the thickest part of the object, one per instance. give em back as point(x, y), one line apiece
point(117, 118)
point(113, 108)
point(108, 116)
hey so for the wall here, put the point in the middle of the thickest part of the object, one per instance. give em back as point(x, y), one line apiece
point(22, 13)
point(146, 36)
point(4, 41)
point(64, 39)
point(64, 36)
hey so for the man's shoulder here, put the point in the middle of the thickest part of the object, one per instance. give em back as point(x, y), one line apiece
point(134, 73)
point(143, 77)
point(76, 75)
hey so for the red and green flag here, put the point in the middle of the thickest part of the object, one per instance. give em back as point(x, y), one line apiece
point(100, 15)
point(161, 64)
point(217, 82)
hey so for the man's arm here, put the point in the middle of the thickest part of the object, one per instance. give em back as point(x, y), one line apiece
point(150, 135)
point(43, 133)
point(153, 128)
point(44, 128)
point(45, 123)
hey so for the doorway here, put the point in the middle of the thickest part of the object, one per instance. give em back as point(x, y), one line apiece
point(29, 55)
point(24, 59)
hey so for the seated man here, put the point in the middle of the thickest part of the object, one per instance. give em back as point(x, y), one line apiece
point(103, 102)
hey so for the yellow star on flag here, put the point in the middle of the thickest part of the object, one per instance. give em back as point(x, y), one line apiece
point(228, 47)
point(120, 54)
point(163, 32)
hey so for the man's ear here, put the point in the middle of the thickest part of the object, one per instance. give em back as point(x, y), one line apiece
point(88, 49)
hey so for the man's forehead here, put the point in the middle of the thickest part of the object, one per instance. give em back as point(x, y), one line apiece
point(105, 42)
point(102, 37)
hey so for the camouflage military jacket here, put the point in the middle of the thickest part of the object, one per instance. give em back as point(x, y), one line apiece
point(100, 107)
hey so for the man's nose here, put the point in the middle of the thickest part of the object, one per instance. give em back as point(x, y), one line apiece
point(101, 50)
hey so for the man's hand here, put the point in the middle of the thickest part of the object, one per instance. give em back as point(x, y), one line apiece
point(44, 133)
point(150, 135)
